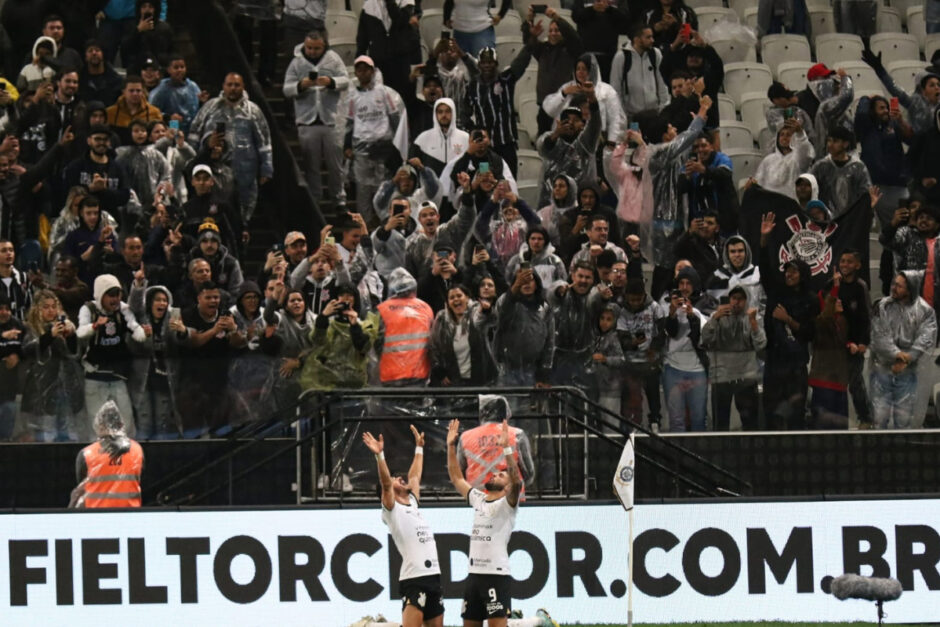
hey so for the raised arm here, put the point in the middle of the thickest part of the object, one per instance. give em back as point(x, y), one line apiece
point(417, 464)
point(515, 479)
point(385, 478)
point(453, 469)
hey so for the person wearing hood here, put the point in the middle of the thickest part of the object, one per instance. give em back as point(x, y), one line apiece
point(538, 252)
point(574, 314)
point(233, 117)
point(152, 382)
point(564, 198)
point(607, 363)
point(404, 336)
point(226, 271)
point(316, 80)
point(177, 95)
point(921, 103)
point(503, 221)
point(108, 470)
point(171, 143)
point(639, 327)
point(389, 240)
point(342, 340)
point(570, 147)
point(790, 327)
point(685, 362)
point(737, 269)
point(785, 108)
point(483, 164)
point(573, 223)
point(106, 326)
point(524, 344)
point(636, 75)
point(66, 58)
point(793, 154)
point(99, 80)
point(250, 368)
point(842, 177)
point(904, 328)
point(734, 336)
point(833, 95)
point(42, 66)
point(434, 286)
point(587, 76)
point(882, 133)
point(599, 25)
point(460, 351)
point(374, 117)
point(153, 37)
point(709, 184)
point(148, 171)
point(405, 185)
point(288, 338)
point(924, 158)
point(443, 142)
point(319, 277)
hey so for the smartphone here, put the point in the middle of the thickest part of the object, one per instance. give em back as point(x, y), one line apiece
point(788, 113)
point(34, 266)
point(220, 127)
point(175, 125)
point(539, 8)
point(675, 294)
point(525, 265)
point(442, 254)
point(478, 248)
point(329, 239)
point(445, 34)
point(278, 249)
point(484, 167)
point(895, 104)
point(686, 31)
point(640, 335)
point(477, 136)
point(724, 300)
point(527, 255)
point(61, 319)
point(313, 75)
point(398, 209)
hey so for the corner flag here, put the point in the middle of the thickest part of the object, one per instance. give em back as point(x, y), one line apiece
point(623, 478)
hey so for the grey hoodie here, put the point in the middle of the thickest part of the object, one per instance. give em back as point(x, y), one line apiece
point(732, 344)
point(909, 327)
point(315, 103)
point(748, 277)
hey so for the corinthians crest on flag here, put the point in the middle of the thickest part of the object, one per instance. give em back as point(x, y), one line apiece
point(796, 236)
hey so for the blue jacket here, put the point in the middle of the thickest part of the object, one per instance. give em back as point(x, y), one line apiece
point(182, 99)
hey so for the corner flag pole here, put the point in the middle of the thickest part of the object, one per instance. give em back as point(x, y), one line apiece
point(623, 488)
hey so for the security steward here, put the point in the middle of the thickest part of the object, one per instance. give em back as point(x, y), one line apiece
point(108, 470)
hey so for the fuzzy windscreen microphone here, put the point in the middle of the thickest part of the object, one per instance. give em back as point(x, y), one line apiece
point(869, 588)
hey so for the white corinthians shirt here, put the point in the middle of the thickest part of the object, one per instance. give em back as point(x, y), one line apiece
point(493, 522)
point(413, 538)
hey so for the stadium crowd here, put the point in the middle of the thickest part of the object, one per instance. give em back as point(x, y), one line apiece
point(126, 196)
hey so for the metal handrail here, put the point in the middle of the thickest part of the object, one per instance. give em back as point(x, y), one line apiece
point(315, 401)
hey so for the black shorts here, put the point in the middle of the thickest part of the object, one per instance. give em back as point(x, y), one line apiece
point(487, 596)
point(423, 593)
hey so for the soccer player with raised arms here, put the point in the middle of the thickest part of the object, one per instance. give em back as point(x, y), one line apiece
point(419, 580)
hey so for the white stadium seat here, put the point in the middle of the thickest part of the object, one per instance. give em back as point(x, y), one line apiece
point(726, 108)
point(746, 77)
point(530, 165)
point(709, 16)
point(793, 74)
point(903, 73)
point(732, 50)
point(754, 105)
point(342, 24)
point(777, 49)
point(821, 19)
point(835, 48)
point(888, 21)
point(931, 45)
point(431, 25)
point(744, 162)
point(895, 46)
point(736, 135)
point(915, 23)
point(864, 80)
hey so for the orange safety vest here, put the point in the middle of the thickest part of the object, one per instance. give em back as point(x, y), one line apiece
point(113, 483)
point(407, 334)
point(484, 454)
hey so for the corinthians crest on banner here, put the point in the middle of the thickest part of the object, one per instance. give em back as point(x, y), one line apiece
point(795, 236)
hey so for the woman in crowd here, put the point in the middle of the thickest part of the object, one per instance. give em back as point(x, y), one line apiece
point(460, 354)
point(564, 198)
point(152, 382)
point(250, 367)
point(288, 336)
point(54, 394)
